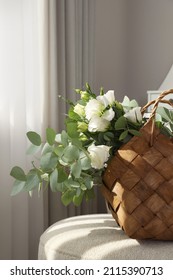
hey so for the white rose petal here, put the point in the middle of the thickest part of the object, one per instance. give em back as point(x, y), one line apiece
point(108, 114)
point(93, 108)
point(98, 124)
point(130, 115)
point(99, 155)
point(79, 109)
point(134, 115)
point(103, 100)
point(110, 96)
point(107, 99)
point(138, 114)
point(126, 101)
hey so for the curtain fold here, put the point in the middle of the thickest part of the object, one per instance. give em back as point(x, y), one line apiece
point(46, 50)
point(75, 67)
point(24, 96)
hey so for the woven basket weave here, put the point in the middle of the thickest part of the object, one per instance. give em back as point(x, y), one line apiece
point(138, 182)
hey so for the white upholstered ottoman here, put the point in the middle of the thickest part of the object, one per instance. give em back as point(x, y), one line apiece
point(97, 237)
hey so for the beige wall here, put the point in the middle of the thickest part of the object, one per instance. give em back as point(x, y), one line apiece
point(111, 44)
point(134, 45)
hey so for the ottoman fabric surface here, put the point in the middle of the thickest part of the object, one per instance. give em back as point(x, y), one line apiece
point(97, 237)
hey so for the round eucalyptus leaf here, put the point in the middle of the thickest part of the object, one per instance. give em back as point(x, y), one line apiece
point(76, 169)
point(71, 153)
point(50, 136)
point(18, 173)
point(34, 138)
point(18, 186)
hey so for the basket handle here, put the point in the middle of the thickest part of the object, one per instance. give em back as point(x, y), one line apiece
point(155, 103)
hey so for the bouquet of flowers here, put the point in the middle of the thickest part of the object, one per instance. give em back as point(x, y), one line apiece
point(72, 162)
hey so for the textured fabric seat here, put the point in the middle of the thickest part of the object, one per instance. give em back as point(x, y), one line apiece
point(97, 237)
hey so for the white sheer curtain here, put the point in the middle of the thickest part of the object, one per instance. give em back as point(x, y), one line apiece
point(46, 49)
point(24, 91)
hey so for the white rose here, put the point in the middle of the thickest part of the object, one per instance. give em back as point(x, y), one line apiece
point(98, 124)
point(134, 115)
point(99, 155)
point(79, 109)
point(107, 99)
point(93, 108)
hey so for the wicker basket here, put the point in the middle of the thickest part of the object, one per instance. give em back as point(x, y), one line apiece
point(138, 182)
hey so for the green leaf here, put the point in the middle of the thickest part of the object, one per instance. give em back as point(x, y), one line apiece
point(76, 169)
point(118, 108)
point(34, 138)
point(32, 182)
point(121, 123)
point(83, 187)
point(63, 163)
point(72, 129)
point(59, 151)
point(47, 149)
point(165, 113)
point(18, 173)
point(71, 153)
point(89, 194)
point(18, 186)
point(134, 132)
point(62, 175)
point(70, 183)
point(77, 199)
point(100, 138)
point(171, 126)
point(61, 187)
point(67, 197)
point(50, 136)
point(64, 138)
point(89, 183)
point(164, 129)
point(54, 180)
point(33, 149)
point(48, 161)
point(123, 135)
point(85, 162)
point(76, 142)
point(108, 136)
point(72, 115)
